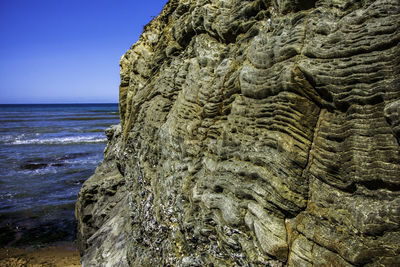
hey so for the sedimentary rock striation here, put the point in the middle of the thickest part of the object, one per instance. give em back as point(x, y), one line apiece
point(253, 133)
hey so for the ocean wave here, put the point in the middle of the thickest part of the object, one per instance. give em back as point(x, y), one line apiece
point(60, 140)
point(85, 162)
point(6, 196)
point(12, 138)
point(8, 138)
point(85, 118)
point(49, 169)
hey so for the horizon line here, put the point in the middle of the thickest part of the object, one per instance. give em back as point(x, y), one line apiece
point(65, 103)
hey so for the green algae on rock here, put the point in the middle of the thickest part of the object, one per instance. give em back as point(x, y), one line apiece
point(254, 133)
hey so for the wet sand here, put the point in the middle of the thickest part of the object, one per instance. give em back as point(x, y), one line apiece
point(59, 255)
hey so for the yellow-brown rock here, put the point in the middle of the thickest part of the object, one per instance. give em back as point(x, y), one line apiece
point(254, 133)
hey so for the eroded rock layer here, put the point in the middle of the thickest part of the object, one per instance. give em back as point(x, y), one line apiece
point(254, 133)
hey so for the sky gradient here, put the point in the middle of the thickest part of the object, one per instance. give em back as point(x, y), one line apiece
point(67, 51)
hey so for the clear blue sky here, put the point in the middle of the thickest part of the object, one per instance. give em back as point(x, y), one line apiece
point(67, 51)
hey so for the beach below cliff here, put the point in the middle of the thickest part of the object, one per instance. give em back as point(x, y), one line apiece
point(61, 254)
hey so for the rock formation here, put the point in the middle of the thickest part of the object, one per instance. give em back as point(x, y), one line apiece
point(253, 133)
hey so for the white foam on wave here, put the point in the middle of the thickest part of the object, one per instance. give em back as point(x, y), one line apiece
point(7, 196)
point(89, 161)
point(60, 140)
point(48, 170)
point(10, 138)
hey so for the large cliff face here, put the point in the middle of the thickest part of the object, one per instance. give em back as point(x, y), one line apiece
point(254, 133)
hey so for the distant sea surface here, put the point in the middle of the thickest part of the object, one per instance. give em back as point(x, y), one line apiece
point(46, 153)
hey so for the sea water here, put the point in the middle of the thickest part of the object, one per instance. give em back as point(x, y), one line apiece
point(46, 153)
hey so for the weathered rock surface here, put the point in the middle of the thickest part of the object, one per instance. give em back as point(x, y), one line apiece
point(254, 133)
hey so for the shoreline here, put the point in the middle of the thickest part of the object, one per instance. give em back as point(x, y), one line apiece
point(60, 254)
